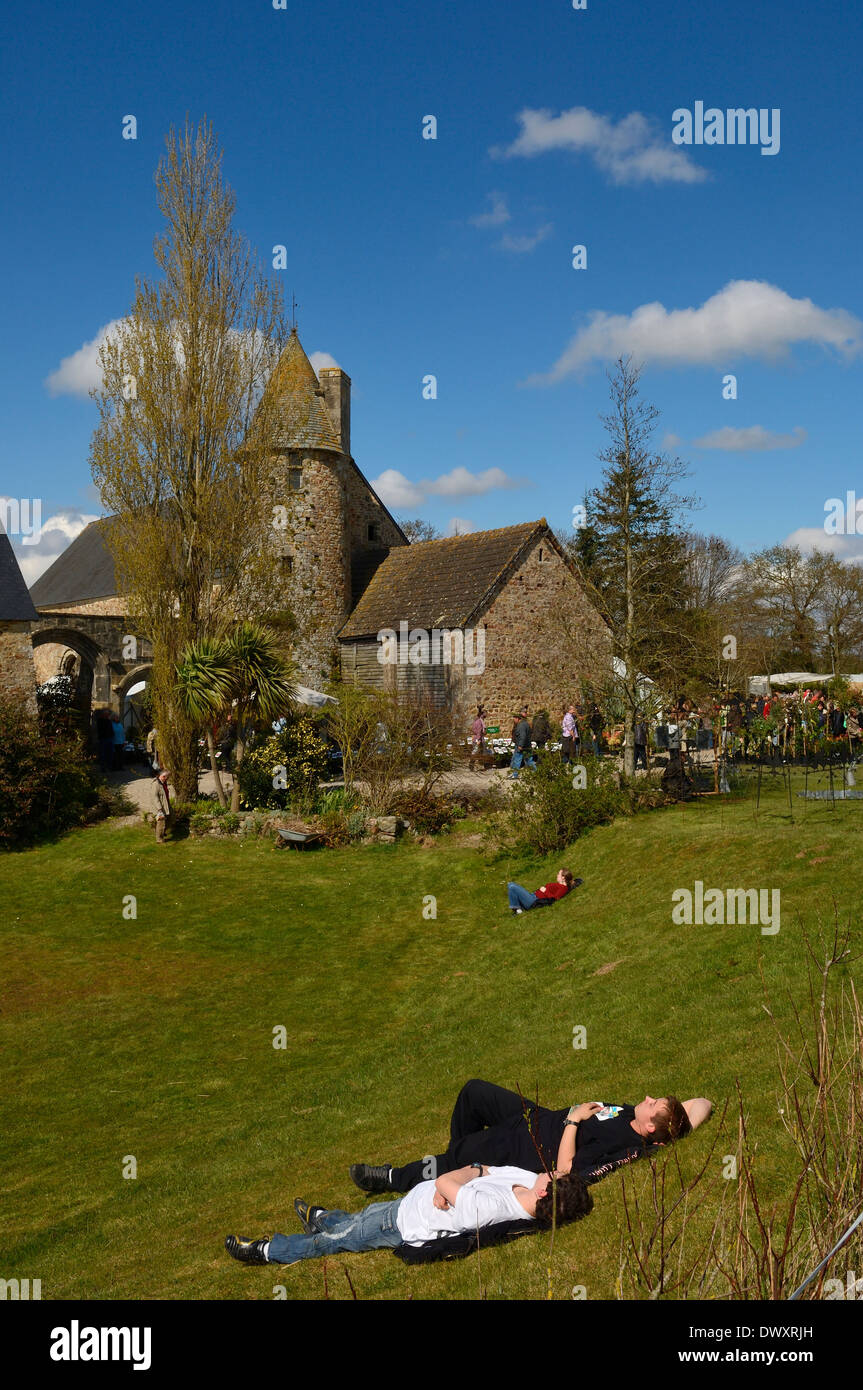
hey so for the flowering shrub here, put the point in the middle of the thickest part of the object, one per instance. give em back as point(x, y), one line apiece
point(284, 765)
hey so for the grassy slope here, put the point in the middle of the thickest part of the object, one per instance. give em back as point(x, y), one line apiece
point(153, 1037)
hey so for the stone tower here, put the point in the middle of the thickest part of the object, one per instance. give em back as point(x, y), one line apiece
point(339, 530)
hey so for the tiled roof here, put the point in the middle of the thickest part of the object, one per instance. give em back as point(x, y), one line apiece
point(84, 570)
point(16, 605)
point(439, 583)
point(304, 421)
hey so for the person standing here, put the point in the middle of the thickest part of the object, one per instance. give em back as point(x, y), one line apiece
point(640, 740)
point(152, 750)
point(104, 739)
point(227, 739)
point(569, 732)
point(161, 805)
point(521, 737)
point(119, 742)
point(541, 731)
point(477, 733)
point(596, 726)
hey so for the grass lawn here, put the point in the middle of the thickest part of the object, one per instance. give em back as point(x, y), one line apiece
point(153, 1037)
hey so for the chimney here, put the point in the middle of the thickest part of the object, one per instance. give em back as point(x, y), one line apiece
point(336, 388)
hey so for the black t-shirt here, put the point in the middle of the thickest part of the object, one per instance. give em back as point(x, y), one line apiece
point(606, 1137)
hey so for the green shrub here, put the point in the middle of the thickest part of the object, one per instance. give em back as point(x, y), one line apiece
point(46, 785)
point(546, 812)
point(300, 750)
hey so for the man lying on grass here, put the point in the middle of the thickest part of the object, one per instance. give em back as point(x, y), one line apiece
point(457, 1203)
point(495, 1126)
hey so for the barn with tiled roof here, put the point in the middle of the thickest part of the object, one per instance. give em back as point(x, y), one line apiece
point(520, 627)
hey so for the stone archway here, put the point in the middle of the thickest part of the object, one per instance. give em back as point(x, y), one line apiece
point(93, 686)
point(127, 682)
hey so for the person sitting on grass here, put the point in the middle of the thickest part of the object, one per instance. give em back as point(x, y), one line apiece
point(490, 1124)
point(454, 1204)
point(521, 900)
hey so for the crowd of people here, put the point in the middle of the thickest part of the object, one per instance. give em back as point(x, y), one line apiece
point(753, 726)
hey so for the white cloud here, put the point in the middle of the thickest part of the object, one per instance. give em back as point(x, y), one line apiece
point(747, 318)
point(529, 242)
point(631, 150)
point(750, 439)
point(57, 532)
point(459, 526)
point(496, 216)
point(322, 359)
point(670, 440)
point(810, 538)
point(462, 483)
point(80, 372)
point(398, 492)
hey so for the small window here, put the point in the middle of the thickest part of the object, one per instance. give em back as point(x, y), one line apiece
point(540, 554)
point(295, 479)
point(286, 564)
point(374, 531)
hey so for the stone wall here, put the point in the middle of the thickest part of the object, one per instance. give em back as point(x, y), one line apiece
point(364, 510)
point(113, 607)
point(17, 672)
point(313, 554)
point(542, 637)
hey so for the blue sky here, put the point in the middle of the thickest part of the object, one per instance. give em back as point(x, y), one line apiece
point(452, 256)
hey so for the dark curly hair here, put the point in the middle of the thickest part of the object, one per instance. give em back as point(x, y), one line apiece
point(572, 1201)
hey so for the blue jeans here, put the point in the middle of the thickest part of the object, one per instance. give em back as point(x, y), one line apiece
point(519, 897)
point(370, 1229)
point(518, 758)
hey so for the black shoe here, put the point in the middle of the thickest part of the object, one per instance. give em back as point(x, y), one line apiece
point(308, 1216)
point(250, 1252)
point(369, 1179)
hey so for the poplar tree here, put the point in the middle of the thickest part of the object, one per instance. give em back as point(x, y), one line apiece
point(180, 456)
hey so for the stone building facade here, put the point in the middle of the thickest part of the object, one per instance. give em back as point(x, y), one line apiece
point(346, 571)
point(17, 613)
point(337, 529)
point(523, 630)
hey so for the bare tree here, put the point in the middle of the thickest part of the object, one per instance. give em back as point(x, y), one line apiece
point(418, 530)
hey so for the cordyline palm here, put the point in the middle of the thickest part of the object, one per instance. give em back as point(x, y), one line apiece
point(245, 673)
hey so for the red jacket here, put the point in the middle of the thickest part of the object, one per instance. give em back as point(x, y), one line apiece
point(552, 890)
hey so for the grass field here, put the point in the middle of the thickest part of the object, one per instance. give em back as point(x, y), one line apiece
point(152, 1037)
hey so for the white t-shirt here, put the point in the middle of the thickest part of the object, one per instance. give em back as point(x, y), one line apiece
point(480, 1202)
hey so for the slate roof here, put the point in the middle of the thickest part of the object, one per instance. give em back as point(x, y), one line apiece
point(84, 570)
point(16, 605)
point(304, 421)
point(439, 583)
